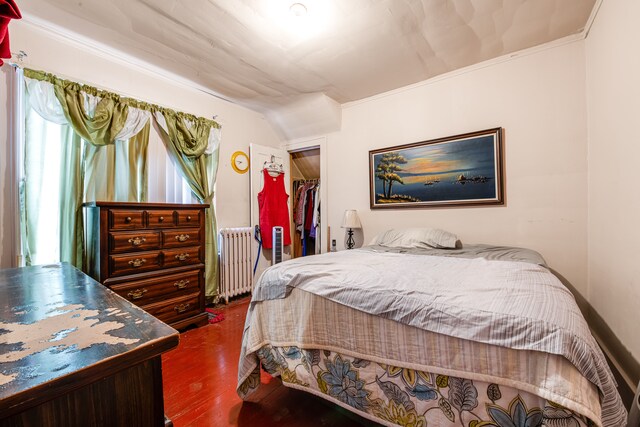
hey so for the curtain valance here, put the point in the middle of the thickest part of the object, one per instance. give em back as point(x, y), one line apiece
point(101, 117)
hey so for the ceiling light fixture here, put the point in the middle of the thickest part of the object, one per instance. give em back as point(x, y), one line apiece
point(296, 21)
point(298, 9)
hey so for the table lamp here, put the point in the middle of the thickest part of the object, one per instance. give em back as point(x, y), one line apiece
point(351, 221)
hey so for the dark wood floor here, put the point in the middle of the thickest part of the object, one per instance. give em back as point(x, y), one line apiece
point(200, 381)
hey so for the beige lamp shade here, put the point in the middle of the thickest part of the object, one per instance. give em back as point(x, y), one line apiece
point(351, 219)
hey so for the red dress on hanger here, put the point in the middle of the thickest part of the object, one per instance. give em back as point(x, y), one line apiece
point(272, 201)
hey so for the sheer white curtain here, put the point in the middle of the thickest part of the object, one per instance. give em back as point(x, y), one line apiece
point(166, 183)
point(41, 192)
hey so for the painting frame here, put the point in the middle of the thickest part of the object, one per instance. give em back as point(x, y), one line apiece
point(478, 154)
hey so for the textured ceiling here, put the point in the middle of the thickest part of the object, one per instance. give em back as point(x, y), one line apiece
point(254, 53)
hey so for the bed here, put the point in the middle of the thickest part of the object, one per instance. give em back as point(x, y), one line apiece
point(414, 335)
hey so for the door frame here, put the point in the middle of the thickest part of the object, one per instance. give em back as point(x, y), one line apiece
point(321, 143)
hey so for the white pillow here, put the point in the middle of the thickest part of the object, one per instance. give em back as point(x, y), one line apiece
point(416, 238)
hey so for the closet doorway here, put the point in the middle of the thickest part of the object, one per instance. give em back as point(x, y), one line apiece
point(285, 155)
point(306, 218)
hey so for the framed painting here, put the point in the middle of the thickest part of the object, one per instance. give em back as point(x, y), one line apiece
point(460, 170)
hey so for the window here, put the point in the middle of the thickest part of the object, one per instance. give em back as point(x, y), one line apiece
point(56, 162)
point(41, 194)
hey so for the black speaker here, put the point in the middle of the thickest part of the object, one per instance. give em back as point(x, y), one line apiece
point(276, 249)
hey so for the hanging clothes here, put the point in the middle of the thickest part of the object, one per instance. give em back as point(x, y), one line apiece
point(306, 218)
point(272, 202)
point(298, 188)
point(315, 221)
point(308, 239)
point(299, 205)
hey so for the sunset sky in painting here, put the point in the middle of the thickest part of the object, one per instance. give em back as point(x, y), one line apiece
point(445, 160)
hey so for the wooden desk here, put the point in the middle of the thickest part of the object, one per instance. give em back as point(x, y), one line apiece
point(73, 353)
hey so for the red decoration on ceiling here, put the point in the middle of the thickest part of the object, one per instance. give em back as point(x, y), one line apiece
point(8, 11)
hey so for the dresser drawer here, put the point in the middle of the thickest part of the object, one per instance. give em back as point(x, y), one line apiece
point(147, 291)
point(134, 241)
point(189, 218)
point(161, 218)
point(182, 256)
point(172, 310)
point(179, 238)
point(134, 263)
point(125, 219)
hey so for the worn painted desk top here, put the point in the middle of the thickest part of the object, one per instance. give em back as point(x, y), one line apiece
point(61, 330)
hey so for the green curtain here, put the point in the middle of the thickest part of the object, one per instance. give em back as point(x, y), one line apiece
point(98, 163)
point(186, 147)
point(118, 172)
point(132, 185)
point(109, 116)
point(108, 119)
point(71, 198)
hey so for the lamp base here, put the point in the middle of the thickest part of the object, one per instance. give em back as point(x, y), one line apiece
point(350, 242)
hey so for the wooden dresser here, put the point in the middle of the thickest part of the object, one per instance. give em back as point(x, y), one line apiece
point(75, 354)
point(151, 254)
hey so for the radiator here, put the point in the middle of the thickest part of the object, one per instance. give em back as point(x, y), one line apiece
point(236, 275)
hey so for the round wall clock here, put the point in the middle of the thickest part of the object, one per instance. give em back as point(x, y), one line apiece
point(240, 162)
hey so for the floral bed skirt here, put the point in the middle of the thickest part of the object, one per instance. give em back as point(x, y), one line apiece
point(406, 397)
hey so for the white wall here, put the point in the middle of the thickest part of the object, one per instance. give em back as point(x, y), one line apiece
point(539, 99)
point(240, 126)
point(613, 95)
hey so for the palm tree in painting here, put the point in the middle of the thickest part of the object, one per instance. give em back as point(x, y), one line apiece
point(382, 172)
point(387, 171)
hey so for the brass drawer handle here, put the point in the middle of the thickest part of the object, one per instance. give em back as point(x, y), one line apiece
point(137, 294)
point(182, 257)
point(137, 241)
point(182, 237)
point(137, 262)
point(188, 217)
point(181, 308)
point(181, 284)
point(127, 219)
point(161, 219)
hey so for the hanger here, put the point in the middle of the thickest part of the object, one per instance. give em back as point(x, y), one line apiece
point(272, 167)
